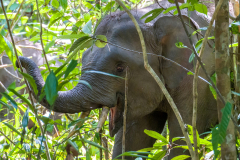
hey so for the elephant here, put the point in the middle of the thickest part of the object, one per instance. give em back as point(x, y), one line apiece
point(147, 107)
point(9, 75)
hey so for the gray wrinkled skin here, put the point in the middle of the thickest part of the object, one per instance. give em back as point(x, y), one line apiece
point(147, 106)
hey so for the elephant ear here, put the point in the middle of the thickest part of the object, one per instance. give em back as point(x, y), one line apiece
point(168, 32)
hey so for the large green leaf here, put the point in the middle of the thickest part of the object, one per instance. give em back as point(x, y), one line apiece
point(70, 67)
point(64, 4)
point(51, 86)
point(79, 42)
point(159, 155)
point(201, 8)
point(156, 135)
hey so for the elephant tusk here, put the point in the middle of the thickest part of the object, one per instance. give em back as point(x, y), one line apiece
point(102, 118)
point(79, 124)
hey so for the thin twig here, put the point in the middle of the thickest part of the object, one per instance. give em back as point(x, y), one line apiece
point(22, 46)
point(5, 66)
point(19, 9)
point(28, 87)
point(158, 80)
point(195, 79)
point(125, 114)
point(41, 39)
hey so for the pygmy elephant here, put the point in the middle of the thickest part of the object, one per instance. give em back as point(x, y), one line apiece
point(147, 106)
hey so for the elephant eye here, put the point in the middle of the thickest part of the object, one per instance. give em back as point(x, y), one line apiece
point(120, 68)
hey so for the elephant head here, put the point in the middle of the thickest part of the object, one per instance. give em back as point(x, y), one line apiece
point(144, 95)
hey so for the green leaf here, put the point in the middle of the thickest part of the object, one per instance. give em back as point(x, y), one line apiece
point(79, 42)
point(84, 82)
point(181, 157)
point(191, 57)
point(215, 140)
point(104, 73)
point(64, 4)
point(73, 144)
point(87, 29)
point(169, 9)
point(159, 155)
point(49, 44)
point(88, 155)
point(201, 8)
point(93, 144)
point(14, 104)
point(154, 13)
point(184, 5)
point(77, 121)
point(51, 86)
point(22, 98)
point(219, 131)
point(12, 128)
point(70, 67)
point(200, 29)
point(101, 41)
point(30, 80)
point(189, 73)
point(226, 113)
point(71, 36)
point(55, 3)
point(180, 45)
point(156, 135)
point(5, 104)
point(25, 119)
point(159, 10)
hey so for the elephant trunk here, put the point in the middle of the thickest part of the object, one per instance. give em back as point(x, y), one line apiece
point(71, 101)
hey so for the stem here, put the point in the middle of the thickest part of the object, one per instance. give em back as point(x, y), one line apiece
point(19, 9)
point(158, 80)
point(41, 39)
point(195, 80)
point(28, 88)
point(125, 113)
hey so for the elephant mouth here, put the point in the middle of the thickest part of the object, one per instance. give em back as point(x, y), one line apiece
point(116, 116)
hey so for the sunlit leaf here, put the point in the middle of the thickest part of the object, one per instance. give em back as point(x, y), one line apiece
point(156, 135)
point(180, 157)
point(101, 41)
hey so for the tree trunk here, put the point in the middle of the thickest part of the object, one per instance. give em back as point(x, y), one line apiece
point(228, 147)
